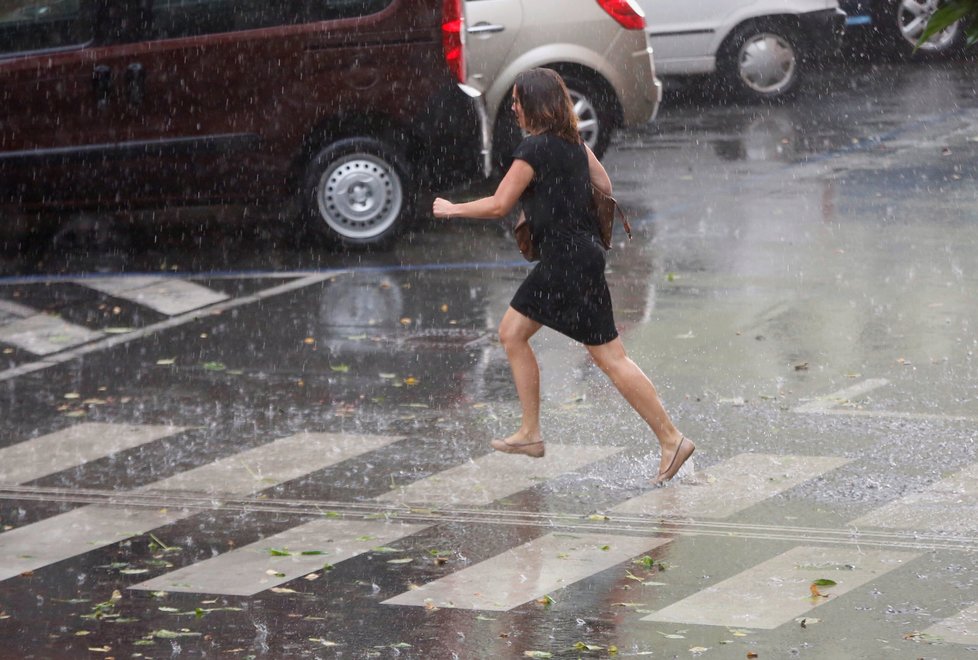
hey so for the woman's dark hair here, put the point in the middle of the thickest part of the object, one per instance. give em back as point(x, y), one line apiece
point(546, 104)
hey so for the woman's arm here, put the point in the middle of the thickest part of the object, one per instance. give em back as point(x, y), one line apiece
point(599, 177)
point(499, 204)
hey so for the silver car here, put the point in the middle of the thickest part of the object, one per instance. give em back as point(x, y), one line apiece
point(598, 46)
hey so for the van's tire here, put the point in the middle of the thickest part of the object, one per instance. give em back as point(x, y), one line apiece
point(761, 61)
point(356, 193)
point(902, 21)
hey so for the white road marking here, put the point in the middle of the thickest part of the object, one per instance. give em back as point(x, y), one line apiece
point(73, 446)
point(166, 295)
point(731, 486)
point(496, 475)
point(75, 532)
point(530, 571)
point(43, 334)
point(962, 628)
point(260, 566)
point(777, 591)
point(173, 322)
point(947, 506)
point(825, 403)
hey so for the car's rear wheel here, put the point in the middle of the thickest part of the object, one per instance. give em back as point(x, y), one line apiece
point(356, 193)
point(904, 21)
point(761, 61)
point(594, 110)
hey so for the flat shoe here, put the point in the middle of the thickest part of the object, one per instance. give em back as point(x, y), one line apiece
point(531, 449)
point(680, 457)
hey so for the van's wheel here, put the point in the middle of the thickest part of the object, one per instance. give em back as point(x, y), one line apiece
point(761, 61)
point(356, 193)
point(903, 21)
point(595, 112)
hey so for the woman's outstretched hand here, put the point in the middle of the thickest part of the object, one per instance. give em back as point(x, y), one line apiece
point(442, 208)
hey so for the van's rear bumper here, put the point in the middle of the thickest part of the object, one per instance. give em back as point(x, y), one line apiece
point(455, 138)
point(825, 30)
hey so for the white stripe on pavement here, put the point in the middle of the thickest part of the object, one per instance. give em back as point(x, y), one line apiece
point(949, 506)
point(43, 334)
point(259, 566)
point(528, 572)
point(823, 403)
point(731, 486)
point(73, 446)
point(777, 591)
point(75, 532)
point(165, 295)
point(962, 628)
point(495, 475)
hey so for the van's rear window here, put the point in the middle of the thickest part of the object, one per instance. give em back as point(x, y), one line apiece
point(182, 18)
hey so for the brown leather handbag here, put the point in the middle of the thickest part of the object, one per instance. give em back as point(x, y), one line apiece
point(605, 209)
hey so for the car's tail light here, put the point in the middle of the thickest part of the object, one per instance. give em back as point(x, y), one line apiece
point(453, 37)
point(628, 14)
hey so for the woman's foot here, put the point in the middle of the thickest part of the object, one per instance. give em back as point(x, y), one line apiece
point(684, 449)
point(520, 443)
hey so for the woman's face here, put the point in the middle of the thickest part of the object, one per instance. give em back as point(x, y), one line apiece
point(518, 110)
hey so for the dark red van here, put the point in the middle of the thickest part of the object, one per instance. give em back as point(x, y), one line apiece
point(353, 106)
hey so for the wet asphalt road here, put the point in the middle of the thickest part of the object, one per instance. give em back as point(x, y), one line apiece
point(285, 451)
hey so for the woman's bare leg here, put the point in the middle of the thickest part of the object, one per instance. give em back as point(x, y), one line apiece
point(515, 331)
point(640, 393)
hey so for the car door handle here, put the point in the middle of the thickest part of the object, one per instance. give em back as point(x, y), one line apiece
point(135, 84)
point(485, 28)
point(102, 84)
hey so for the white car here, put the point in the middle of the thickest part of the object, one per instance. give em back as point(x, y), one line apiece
point(598, 46)
point(757, 49)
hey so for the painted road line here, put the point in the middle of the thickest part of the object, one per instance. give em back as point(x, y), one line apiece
point(163, 294)
point(10, 309)
point(69, 534)
point(528, 572)
point(43, 334)
point(253, 568)
point(947, 506)
point(496, 475)
point(731, 486)
point(823, 403)
point(962, 628)
point(777, 591)
point(73, 446)
point(174, 322)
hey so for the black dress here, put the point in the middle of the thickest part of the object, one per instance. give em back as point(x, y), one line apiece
point(566, 290)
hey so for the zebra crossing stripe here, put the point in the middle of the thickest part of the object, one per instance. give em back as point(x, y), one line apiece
point(777, 591)
point(496, 475)
point(826, 403)
point(962, 628)
point(734, 485)
point(528, 572)
point(281, 557)
point(165, 295)
point(73, 446)
point(75, 532)
point(43, 334)
point(948, 506)
point(480, 481)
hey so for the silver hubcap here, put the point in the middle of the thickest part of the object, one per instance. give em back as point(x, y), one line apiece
point(360, 196)
point(588, 124)
point(767, 63)
point(912, 17)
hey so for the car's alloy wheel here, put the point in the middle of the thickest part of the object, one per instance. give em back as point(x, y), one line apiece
point(356, 192)
point(594, 114)
point(588, 122)
point(911, 18)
